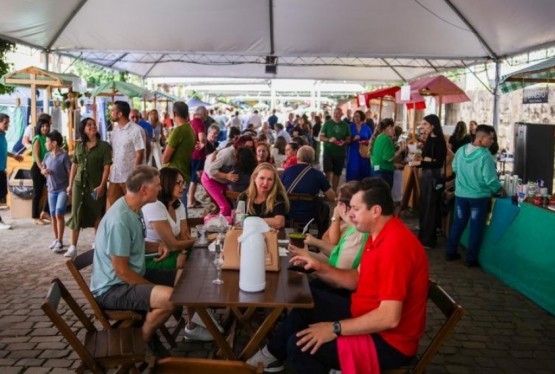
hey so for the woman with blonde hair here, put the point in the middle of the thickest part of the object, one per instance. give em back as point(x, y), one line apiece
point(266, 197)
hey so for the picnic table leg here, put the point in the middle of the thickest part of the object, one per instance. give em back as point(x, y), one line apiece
point(218, 337)
point(261, 333)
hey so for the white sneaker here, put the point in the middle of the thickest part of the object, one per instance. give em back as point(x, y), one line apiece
point(198, 321)
point(59, 247)
point(53, 244)
point(270, 363)
point(4, 226)
point(71, 252)
point(199, 333)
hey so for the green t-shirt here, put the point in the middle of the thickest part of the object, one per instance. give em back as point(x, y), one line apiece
point(182, 139)
point(42, 141)
point(338, 130)
point(383, 150)
point(338, 250)
point(120, 233)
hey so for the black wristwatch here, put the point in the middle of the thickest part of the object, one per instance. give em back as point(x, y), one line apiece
point(337, 328)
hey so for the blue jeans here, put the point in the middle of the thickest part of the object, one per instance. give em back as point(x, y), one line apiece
point(57, 201)
point(476, 210)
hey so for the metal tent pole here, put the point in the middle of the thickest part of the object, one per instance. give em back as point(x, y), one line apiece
point(496, 95)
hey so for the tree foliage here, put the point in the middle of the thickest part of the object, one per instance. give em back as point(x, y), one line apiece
point(96, 75)
point(5, 66)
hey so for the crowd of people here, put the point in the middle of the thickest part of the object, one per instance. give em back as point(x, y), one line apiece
point(136, 190)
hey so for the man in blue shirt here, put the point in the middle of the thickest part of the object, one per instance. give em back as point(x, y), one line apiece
point(147, 127)
point(303, 178)
point(4, 154)
point(273, 119)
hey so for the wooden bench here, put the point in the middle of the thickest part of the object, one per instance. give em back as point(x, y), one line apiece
point(122, 347)
point(453, 313)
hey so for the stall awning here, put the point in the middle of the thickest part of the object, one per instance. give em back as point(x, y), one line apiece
point(39, 77)
point(544, 72)
point(120, 88)
point(444, 90)
point(382, 92)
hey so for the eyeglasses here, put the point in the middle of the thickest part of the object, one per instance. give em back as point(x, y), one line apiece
point(181, 183)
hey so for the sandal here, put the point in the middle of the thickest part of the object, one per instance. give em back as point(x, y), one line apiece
point(40, 222)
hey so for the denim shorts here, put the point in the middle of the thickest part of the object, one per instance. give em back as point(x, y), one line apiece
point(57, 201)
point(196, 165)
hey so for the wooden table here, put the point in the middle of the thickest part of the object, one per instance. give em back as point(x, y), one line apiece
point(284, 289)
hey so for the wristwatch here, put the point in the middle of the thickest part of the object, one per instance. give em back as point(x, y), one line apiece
point(334, 218)
point(337, 328)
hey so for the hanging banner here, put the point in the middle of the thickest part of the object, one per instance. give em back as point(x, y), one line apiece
point(405, 93)
point(535, 96)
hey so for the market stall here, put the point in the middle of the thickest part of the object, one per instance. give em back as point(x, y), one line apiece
point(518, 249)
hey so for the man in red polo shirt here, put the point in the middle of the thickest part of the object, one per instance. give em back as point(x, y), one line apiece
point(387, 306)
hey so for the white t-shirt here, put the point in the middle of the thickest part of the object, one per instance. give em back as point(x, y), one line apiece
point(153, 212)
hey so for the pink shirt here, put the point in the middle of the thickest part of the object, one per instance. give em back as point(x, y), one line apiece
point(198, 127)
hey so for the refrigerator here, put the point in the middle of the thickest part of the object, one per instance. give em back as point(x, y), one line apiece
point(534, 152)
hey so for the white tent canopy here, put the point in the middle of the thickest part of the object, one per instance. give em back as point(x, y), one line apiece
point(371, 40)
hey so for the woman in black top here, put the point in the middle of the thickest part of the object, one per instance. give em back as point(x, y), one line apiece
point(432, 183)
point(266, 197)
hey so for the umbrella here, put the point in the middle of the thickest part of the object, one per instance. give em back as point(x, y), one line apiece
point(444, 90)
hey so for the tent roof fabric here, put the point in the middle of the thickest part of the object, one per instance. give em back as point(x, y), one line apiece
point(371, 40)
point(544, 72)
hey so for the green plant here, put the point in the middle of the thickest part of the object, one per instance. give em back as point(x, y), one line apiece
point(5, 66)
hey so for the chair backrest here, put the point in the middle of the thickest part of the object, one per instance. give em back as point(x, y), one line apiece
point(452, 311)
point(75, 266)
point(122, 318)
point(50, 306)
point(293, 196)
point(181, 365)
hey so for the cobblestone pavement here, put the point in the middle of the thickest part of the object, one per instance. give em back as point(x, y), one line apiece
point(501, 332)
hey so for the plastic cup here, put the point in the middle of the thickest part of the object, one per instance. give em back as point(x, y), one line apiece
point(201, 234)
point(297, 239)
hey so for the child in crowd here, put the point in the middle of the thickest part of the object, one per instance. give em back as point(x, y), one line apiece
point(56, 167)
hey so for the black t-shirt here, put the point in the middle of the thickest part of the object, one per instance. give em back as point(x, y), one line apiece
point(279, 208)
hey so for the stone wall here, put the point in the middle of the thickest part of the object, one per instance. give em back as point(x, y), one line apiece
point(511, 110)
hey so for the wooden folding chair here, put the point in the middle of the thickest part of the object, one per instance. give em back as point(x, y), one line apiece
point(120, 318)
point(123, 347)
point(453, 312)
point(180, 365)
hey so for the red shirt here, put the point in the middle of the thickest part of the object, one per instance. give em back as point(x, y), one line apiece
point(395, 267)
point(290, 162)
point(198, 127)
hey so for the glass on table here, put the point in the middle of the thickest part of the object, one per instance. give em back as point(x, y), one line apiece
point(218, 262)
point(201, 234)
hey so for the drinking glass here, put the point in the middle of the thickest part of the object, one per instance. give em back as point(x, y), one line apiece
point(201, 234)
point(218, 262)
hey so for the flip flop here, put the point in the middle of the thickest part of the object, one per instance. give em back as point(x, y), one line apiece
point(196, 205)
point(40, 222)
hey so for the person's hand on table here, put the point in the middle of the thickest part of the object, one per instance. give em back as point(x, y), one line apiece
point(296, 251)
point(163, 252)
point(314, 336)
